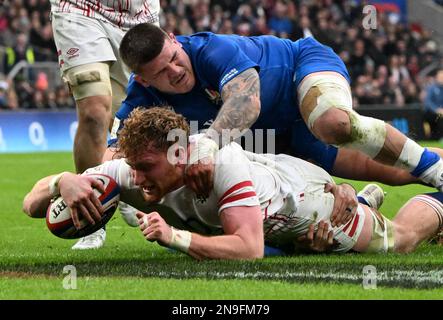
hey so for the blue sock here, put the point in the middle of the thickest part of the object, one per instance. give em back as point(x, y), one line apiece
point(428, 158)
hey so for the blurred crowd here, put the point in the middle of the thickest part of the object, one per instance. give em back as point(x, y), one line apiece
point(26, 34)
point(388, 65)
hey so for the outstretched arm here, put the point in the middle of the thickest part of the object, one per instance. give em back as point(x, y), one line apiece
point(77, 192)
point(37, 200)
point(242, 239)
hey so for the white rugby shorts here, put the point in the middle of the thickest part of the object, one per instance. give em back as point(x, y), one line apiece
point(81, 40)
point(307, 205)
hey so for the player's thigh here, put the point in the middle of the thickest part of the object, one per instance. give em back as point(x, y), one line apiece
point(90, 84)
point(119, 72)
point(419, 218)
point(85, 56)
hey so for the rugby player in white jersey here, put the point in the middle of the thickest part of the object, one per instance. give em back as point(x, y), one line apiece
point(87, 35)
point(255, 197)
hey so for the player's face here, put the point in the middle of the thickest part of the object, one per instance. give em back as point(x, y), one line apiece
point(171, 71)
point(155, 174)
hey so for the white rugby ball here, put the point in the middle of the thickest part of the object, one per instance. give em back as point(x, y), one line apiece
point(58, 215)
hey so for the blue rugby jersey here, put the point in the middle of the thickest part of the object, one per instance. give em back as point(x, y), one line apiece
point(281, 64)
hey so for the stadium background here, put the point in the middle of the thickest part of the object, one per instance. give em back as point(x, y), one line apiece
point(391, 67)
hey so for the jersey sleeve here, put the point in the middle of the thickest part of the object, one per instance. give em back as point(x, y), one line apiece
point(233, 183)
point(221, 60)
point(117, 169)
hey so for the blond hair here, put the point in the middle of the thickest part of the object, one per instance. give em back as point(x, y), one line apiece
point(150, 128)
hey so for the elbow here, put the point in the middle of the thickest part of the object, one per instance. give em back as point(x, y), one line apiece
point(254, 243)
point(251, 255)
point(260, 250)
point(255, 251)
point(258, 255)
point(26, 208)
point(30, 209)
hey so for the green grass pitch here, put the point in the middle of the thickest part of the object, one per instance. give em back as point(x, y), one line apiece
point(32, 260)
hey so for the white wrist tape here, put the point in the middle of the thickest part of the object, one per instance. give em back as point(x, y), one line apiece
point(203, 147)
point(54, 189)
point(181, 240)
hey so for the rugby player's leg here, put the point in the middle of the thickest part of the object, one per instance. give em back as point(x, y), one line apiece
point(94, 113)
point(377, 233)
point(91, 87)
point(420, 219)
point(326, 107)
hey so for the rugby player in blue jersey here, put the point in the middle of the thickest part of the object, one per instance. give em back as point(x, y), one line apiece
point(298, 88)
point(297, 140)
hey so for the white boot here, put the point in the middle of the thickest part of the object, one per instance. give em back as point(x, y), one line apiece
point(93, 241)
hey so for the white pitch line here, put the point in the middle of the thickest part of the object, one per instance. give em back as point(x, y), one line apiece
point(434, 277)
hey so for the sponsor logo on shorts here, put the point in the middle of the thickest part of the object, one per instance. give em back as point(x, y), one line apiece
point(72, 53)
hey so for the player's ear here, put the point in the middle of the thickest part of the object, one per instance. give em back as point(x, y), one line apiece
point(140, 80)
point(174, 39)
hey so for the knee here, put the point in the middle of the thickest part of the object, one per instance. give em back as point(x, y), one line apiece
point(350, 130)
point(94, 111)
point(333, 127)
point(90, 85)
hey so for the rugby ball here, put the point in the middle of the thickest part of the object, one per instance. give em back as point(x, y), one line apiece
point(58, 215)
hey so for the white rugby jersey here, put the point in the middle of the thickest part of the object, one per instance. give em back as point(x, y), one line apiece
point(240, 179)
point(122, 13)
point(289, 191)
